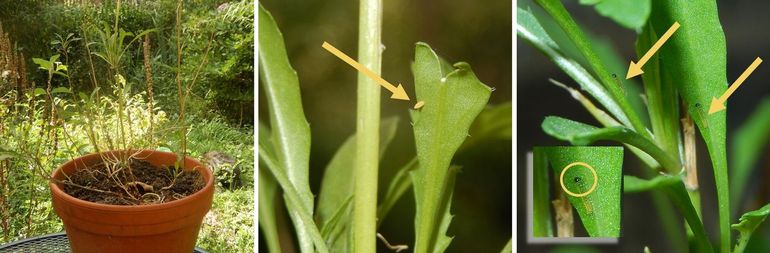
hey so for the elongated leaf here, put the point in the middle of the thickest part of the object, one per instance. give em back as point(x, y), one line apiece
point(748, 142)
point(304, 217)
point(452, 102)
point(541, 200)
point(556, 9)
point(629, 14)
point(60, 90)
point(632, 184)
point(530, 29)
point(290, 131)
point(748, 223)
point(600, 209)
point(695, 60)
point(337, 185)
point(583, 134)
point(268, 193)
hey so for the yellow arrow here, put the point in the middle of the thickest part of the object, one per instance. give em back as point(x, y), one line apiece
point(398, 92)
point(718, 104)
point(635, 69)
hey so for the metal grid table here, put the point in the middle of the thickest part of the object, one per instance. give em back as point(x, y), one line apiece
point(51, 243)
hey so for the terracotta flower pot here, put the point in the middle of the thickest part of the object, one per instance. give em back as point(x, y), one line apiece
point(167, 227)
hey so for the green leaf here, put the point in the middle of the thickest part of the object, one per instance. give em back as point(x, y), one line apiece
point(599, 210)
point(629, 14)
point(632, 184)
point(556, 9)
point(268, 198)
point(541, 200)
point(39, 91)
point(695, 60)
point(443, 216)
point(452, 102)
point(530, 29)
point(268, 192)
point(748, 143)
point(60, 90)
point(290, 131)
point(337, 183)
point(747, 224)
point(43, 64)
point(583, 134)
point(60, 67)
point(294, 204)
point(54, 58)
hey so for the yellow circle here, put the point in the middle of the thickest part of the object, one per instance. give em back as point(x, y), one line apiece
point(593, 187)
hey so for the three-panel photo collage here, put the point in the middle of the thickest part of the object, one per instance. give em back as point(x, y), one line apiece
point(363, 126)
point(255, 126)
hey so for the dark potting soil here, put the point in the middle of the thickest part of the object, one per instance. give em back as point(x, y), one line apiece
point(149, 184)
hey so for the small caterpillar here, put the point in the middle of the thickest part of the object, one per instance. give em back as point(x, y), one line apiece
point(588, 206)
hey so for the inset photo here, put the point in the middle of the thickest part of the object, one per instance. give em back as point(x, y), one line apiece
point(126, 126)
point(587, 180)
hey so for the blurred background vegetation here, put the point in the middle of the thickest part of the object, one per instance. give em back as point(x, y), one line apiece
point(459, 30)
point(641, 225)
point(219, 108)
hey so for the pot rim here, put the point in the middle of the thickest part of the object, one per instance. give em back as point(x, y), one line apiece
point(56, 190)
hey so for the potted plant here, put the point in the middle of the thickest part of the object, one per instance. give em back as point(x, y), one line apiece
point(165, 227)
point(124, 198)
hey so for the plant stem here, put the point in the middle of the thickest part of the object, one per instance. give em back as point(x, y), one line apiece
point(117, 15)
point(564, 220)
point(148, 80)
point(742, 242)
point(367, 128)
point(541, 212)
point(690, 167)
point(180, 89)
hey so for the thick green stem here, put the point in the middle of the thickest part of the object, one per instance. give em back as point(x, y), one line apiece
point(367, 128)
